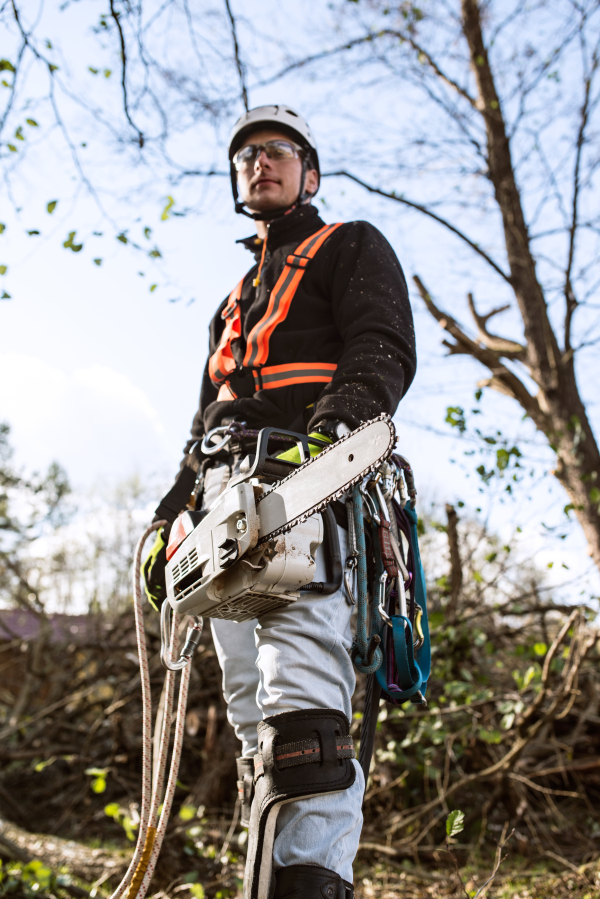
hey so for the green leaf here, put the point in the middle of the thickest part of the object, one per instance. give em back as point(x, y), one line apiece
point(97, 261)
point(51, 206)
point(153, 287)
point(52, 67)
point(122, 237)
point(107, 73)
point(33, 231)
point(2, 228)
point(32, 122)
point(99, 785)
point(455, 823)
point(147, 232)
point(5, 296)
point(165, 213)
point(19, 133)
point(187, 812)
point(112, 810)
point(197, 891)
point(6, 66)
point(69, 243)
point(156, 254)
point(41, 765)
point(3, 269)
point(455, 417)
point(489, 736)
point(92, 70)
point(96, 772)
point(12, 148)
point(540, 649)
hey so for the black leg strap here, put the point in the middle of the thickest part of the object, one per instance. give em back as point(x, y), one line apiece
point(245, 785)
point(310, 882)
point(300, 754)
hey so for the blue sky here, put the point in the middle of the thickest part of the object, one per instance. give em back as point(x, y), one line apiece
point(101, 374)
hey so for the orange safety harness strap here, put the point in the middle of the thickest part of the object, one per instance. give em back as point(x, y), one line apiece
point(271, 376)
point(257, 351)
point(222, 364)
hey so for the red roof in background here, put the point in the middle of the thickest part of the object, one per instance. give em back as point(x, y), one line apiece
point(23, 625)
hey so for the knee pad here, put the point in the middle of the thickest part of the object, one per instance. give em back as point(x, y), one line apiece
point(310, 882)
point(300, 755)
point(245, 785)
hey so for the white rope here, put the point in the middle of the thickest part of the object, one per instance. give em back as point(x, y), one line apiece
point(151, 834)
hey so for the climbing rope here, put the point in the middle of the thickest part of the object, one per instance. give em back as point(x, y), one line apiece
point(152, 828)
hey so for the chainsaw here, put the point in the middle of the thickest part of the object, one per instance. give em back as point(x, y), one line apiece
point(256, 547)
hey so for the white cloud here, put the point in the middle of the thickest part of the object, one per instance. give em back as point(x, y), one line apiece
point(92, 420)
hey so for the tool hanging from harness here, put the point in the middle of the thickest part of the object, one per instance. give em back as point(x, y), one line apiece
point(396, 652)
point(254, 374)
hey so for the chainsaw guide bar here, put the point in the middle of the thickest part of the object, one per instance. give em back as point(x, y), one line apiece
point(307, 489)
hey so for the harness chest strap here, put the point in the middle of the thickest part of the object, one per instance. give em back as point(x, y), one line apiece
point(222, 363)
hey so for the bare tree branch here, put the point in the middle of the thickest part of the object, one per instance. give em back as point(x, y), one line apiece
point(116, 16)
point(510, 349)
point(238, 60)
point(503, 380)
point(418, 206)
point(570, 299)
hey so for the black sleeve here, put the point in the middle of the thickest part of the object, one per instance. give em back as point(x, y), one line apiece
point(373, 315)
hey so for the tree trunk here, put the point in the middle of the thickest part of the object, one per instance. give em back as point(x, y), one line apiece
point(562, 416)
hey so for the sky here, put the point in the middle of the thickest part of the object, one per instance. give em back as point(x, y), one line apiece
point(102, 374)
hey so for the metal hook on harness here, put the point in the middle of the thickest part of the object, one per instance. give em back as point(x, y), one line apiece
point(370, 502)
point(191, 644)
point(210, 449)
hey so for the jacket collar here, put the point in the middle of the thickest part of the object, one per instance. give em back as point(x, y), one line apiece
point(297, 225)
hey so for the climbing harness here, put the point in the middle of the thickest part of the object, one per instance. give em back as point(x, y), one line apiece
point(391, 644)
point(222, 367)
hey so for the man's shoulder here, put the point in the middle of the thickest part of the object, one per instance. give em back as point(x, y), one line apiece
point(361, 236)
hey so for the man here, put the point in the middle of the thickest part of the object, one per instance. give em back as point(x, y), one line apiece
point(317, 338)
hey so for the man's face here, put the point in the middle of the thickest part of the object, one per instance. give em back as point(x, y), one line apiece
point(272, 183)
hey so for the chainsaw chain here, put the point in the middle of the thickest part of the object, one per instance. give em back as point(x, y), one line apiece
point(300, 519)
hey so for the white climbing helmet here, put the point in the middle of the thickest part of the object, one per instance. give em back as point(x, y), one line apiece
point(284, 119)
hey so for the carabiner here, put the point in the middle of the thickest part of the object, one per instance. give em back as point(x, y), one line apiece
point(210, 449)
point(380, 608)
point(370, 503)
point(191, 644)
point(420, 638)
point(351, 566)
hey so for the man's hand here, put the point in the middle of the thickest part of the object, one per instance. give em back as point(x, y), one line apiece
point(153, 570)
point(331, 429)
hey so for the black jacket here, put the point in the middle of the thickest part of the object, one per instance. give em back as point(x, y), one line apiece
point(351, 308)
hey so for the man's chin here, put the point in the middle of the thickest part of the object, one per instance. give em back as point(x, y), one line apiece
point(265, 204)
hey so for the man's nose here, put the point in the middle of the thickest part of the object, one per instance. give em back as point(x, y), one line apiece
point(262, 160)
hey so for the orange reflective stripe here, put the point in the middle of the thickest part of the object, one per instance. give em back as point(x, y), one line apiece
point(222, 363)
point(272, 376)
point(257, 351)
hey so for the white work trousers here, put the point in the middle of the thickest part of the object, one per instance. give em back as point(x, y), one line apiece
point(291, 659)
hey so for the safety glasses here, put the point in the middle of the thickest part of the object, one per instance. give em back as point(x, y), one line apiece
point(275, 149)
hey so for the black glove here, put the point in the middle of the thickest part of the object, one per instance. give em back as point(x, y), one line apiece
point(332, 429)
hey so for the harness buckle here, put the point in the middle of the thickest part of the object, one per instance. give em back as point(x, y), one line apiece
point(301, 262)
point(229, 310)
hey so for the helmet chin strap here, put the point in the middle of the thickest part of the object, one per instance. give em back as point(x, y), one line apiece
point(270, 214)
